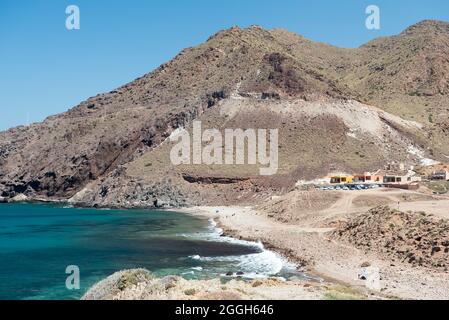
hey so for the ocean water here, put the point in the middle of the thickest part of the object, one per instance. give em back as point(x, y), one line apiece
point(38, 242)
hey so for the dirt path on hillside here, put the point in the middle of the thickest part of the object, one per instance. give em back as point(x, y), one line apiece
point(353, 202)
point(438, 208)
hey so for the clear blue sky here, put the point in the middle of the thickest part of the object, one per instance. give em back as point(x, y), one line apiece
point(46, 69)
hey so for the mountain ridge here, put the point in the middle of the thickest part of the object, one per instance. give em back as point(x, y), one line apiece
point(405, 75)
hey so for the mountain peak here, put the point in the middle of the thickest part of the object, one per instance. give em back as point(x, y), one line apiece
point(426, 26)
point(237, 31)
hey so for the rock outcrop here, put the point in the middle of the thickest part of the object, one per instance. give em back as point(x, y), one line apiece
point(140, 284)
point(411, 237)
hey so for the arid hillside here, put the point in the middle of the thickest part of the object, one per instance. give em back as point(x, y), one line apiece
point(336, 109)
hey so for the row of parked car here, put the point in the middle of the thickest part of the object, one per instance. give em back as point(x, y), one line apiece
point(351, 187)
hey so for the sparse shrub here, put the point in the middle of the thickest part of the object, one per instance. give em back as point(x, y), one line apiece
point(190, 292)
point(132, 278)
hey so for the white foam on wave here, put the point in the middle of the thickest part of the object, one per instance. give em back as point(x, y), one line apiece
point(256, 265)
point(197, 268)
point(262, 264)
point(212, 223)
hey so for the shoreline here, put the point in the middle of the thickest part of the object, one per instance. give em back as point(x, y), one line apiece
point(266, 288)
point(316, 255)
point(208, 212)
point(258, 271)
point(286, 254)
point(224, 220)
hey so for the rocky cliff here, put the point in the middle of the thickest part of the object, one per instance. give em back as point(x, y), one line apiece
point(336, 109)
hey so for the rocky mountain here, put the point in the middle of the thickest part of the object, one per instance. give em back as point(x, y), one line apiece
point(336, 109)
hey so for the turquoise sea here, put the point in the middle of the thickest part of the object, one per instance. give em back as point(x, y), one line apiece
point(38, 242)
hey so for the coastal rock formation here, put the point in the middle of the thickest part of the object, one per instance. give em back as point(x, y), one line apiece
point(139, 284)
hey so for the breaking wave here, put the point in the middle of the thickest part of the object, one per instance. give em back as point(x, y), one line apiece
point(261, 264)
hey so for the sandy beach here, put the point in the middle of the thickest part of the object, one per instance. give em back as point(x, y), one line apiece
point(311, 246)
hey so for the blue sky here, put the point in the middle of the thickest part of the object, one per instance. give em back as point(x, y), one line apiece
point(47, 69)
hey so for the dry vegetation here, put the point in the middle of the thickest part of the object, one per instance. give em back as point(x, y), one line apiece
point(139, 284)
point(413, 237)
point(242, 78)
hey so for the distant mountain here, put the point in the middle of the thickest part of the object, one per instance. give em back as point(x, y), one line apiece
point(337, 109)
